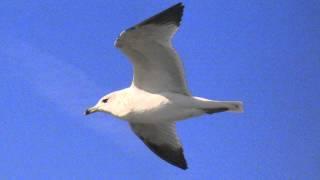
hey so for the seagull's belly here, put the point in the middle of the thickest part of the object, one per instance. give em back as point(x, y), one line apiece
point(144, 107)
point(168, 112)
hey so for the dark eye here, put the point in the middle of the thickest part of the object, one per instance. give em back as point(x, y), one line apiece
point(105, 100)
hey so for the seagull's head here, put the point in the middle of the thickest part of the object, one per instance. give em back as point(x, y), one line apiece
point(103, 105)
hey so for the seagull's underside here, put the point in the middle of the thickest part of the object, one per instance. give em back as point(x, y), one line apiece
point(158, 96)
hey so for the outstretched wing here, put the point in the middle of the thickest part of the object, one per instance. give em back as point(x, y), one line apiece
point(161, 139)
point(157, 67)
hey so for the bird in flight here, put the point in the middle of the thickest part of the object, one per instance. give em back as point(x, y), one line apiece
point(158, 95)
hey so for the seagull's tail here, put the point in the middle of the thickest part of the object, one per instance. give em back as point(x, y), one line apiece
point(211, 107)
point(234, 106)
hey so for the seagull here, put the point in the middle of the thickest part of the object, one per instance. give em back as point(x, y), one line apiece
point(158, 96)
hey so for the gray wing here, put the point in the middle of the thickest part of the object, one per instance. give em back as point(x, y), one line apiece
point(157, 67)
point(161, 139)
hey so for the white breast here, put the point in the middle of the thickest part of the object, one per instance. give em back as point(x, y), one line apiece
point(150, 108)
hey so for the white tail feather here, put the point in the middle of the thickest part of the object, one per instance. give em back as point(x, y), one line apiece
point(233, 106)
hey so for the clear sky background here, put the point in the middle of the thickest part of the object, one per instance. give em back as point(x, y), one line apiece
point(57, 58)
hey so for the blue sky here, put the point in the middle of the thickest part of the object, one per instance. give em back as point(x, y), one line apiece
point(57, 58)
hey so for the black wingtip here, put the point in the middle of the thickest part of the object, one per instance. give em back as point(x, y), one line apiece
point(182, 163)
point(172, 15)
point(165, 152)
point(174, 157)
